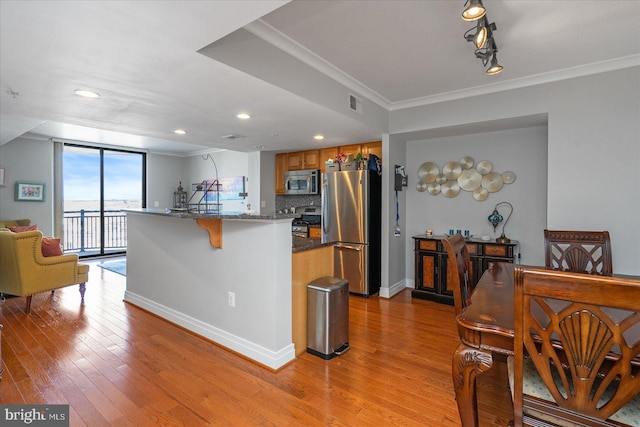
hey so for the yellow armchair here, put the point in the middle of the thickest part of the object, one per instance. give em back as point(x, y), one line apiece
point(24, 271)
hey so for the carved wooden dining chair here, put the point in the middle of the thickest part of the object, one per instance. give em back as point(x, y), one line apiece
point(581, 337)
point(459, 271)
point(578, 251)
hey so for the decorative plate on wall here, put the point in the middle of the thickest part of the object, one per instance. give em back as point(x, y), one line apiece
point(508, 177)
point(452, 170)
point(492, 182)
point(470, 179)
point(427, 172)
point(421, 186)
point(480, 194)
point(450, 189)
point(466, 162)
point(484, 167)
point(434, 188)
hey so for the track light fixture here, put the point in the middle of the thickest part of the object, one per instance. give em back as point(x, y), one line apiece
point(474, 11)
point(483, 31)
point(495, 68)
point(482, 35)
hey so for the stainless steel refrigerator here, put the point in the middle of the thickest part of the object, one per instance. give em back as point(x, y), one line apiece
point(351, 213)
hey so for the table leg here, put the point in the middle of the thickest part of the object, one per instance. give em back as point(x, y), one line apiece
point(467, 363)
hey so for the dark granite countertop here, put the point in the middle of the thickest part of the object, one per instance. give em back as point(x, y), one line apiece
point(300, 244)
point(223, 215)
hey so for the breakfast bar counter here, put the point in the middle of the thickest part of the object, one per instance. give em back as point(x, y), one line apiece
point(237, 294)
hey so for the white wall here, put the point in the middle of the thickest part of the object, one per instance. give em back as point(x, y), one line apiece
point(28, 160)
point(523, 151)
point(229, 164)
point(593, 150)
point(174, 272)
point(164, 174)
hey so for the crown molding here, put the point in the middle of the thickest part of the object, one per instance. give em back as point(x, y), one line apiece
point(278, 39)
point(533, 80)
point(283, 42)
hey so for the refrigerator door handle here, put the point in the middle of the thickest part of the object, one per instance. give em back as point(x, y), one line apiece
point(325, 208)
point(354, 248)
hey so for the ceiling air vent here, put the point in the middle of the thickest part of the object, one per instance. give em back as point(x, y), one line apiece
point(233, 136)
point(355, 103)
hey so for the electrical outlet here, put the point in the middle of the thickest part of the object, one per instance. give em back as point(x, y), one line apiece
point(231, 299)
point(156, 204)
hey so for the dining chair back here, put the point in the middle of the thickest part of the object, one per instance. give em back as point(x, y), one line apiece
point(581, 337)
point(459, 271)
point(578, 251)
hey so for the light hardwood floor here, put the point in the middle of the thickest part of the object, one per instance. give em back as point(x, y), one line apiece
point(115, 364)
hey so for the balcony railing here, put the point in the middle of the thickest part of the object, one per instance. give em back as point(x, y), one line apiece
point(82, 231)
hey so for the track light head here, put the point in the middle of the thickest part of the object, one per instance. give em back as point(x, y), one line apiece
point(483, 32)
point(495, 68)
point(474, 11)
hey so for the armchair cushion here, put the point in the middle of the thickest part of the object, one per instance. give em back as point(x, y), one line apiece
point(51, 246)
point(4, 223)
point(23, 228)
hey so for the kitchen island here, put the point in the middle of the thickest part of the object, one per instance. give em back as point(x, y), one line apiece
point(238, 295)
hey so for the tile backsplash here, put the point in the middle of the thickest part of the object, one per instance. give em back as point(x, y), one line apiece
point(287, 202)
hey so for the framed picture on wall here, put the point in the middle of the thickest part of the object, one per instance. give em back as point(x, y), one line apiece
point(2, 172)
point(29, 192)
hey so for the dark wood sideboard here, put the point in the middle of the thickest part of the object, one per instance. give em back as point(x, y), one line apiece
point(431, 264)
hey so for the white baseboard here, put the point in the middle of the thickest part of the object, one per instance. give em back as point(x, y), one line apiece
point(393, 289)
point(269, 358)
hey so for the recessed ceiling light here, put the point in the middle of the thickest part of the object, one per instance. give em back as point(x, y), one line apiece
point(180, 131)
point(243, 116)
point(318, 137)
point(86, 93)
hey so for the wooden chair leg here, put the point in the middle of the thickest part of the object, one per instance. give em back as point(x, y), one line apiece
point(82, 289)
point(28, 310)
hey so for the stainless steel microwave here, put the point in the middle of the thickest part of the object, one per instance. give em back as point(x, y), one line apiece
point(302, 182)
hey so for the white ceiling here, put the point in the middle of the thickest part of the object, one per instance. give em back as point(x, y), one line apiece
point(142, 57)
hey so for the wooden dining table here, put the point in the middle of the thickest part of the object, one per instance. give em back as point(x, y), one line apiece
point(486, 328)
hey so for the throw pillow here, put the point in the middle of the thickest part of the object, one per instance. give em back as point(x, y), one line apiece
point(51, 246)
point(23, 228)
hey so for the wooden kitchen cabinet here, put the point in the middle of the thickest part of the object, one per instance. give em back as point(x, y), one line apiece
point(431, 264)
point(281, 168)
point(294, 161)
point(306, 266)
point(301, 160)
point(315, 159)
point(350, 149)
point(326, 154)
point(374, 147)
point(311, 159)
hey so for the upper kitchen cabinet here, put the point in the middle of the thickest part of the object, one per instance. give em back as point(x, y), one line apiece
point(311, 159)
point(281, 168)
point(294, 161)
point(326, 154)
point(300, 160)
point(365, 149)
point(351, 149)
point(374, 147)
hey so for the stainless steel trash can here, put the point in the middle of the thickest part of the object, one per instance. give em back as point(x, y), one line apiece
point(328, 317)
